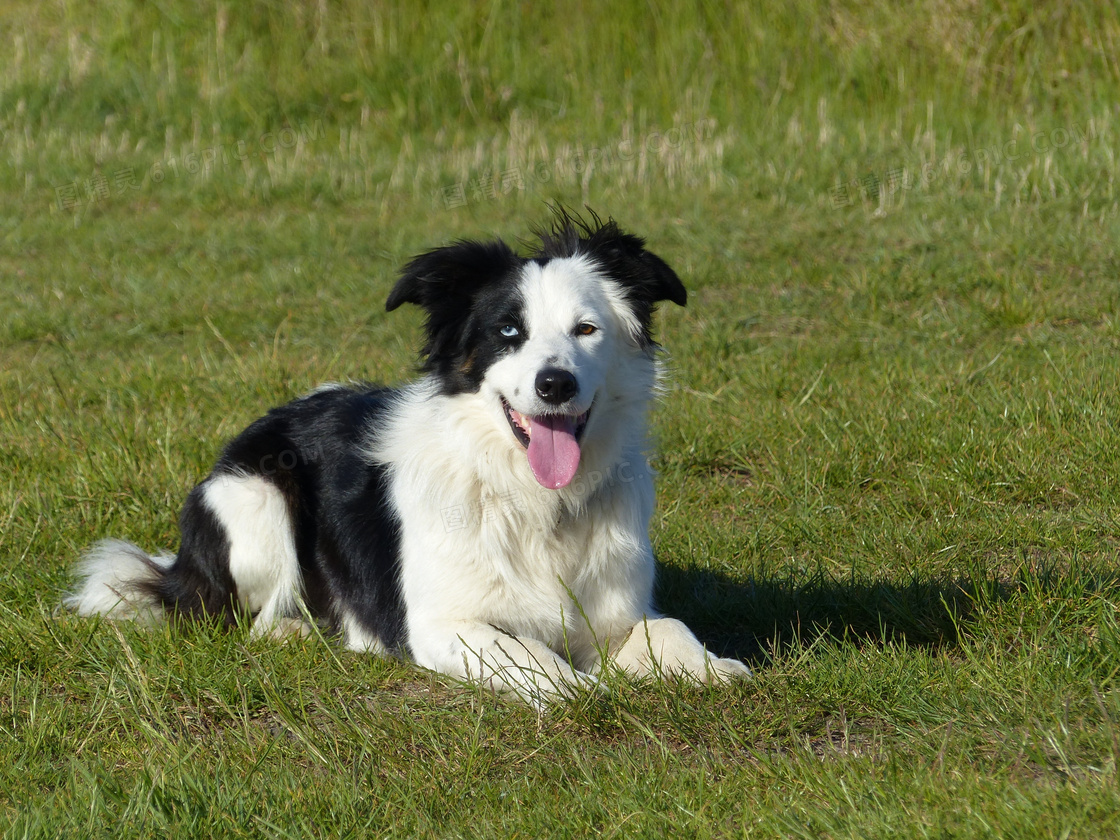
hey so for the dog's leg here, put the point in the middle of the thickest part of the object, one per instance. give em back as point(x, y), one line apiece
point(504, 662)
point(668, 646)
point(262, 556)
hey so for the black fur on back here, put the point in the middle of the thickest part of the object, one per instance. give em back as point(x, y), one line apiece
point(346, 534)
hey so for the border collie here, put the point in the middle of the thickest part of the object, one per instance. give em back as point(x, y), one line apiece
point(490, 520)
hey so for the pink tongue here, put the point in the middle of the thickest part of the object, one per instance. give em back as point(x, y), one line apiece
point(553, 451)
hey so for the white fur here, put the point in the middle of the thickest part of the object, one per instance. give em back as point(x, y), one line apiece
point(110, 572)
point(667, 646)
point(615, 375)
point(357, 638)
point(262, 555)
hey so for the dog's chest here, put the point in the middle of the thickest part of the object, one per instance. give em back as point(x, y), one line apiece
point(528, 567)
point(537, 546)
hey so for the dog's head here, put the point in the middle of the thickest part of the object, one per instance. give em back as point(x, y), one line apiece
point(555, 341)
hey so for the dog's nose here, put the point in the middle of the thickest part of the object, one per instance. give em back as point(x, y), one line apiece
point(556, 386)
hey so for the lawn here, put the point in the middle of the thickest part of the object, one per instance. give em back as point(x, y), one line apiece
point(889, 444)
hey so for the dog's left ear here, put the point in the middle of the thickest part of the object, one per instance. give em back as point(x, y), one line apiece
point(645, 277)
point(656, 281)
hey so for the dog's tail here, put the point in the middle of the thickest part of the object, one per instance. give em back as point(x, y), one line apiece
point(120, 580)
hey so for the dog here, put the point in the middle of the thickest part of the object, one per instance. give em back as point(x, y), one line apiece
point(490, 520)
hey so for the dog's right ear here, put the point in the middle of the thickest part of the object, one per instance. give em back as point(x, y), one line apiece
point(449, 277)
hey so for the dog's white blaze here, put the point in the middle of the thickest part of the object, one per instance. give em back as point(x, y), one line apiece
point(262, 552)
point(557, 297)
point(564, 292)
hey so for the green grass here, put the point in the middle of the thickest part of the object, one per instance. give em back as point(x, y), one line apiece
point(889, 447)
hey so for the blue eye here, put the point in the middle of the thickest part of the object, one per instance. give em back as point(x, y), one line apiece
point(509, 331)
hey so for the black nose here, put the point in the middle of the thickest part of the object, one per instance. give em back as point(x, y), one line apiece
point(556, 386)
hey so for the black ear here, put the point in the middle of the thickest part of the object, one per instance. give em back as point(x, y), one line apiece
point(655, 281)
point(446, 282)
point(645, 277)
point(447, 278)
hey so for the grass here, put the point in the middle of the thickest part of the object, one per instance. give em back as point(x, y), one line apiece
point(888, 451)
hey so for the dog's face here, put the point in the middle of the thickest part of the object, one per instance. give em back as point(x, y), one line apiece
point(547, 341)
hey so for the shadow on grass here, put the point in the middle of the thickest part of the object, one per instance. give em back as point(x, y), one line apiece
point(747, 620)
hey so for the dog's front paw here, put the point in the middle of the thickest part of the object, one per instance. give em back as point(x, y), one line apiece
point(726, 670)
point(668, 647)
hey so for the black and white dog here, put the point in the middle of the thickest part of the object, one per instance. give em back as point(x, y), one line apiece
point(489, 520)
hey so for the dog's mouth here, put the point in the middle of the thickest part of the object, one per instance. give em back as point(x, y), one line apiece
point(551, 442)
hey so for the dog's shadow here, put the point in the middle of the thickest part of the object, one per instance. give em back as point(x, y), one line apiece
point(752, 619)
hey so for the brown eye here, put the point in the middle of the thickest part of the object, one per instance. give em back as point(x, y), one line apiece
point(585, 329)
